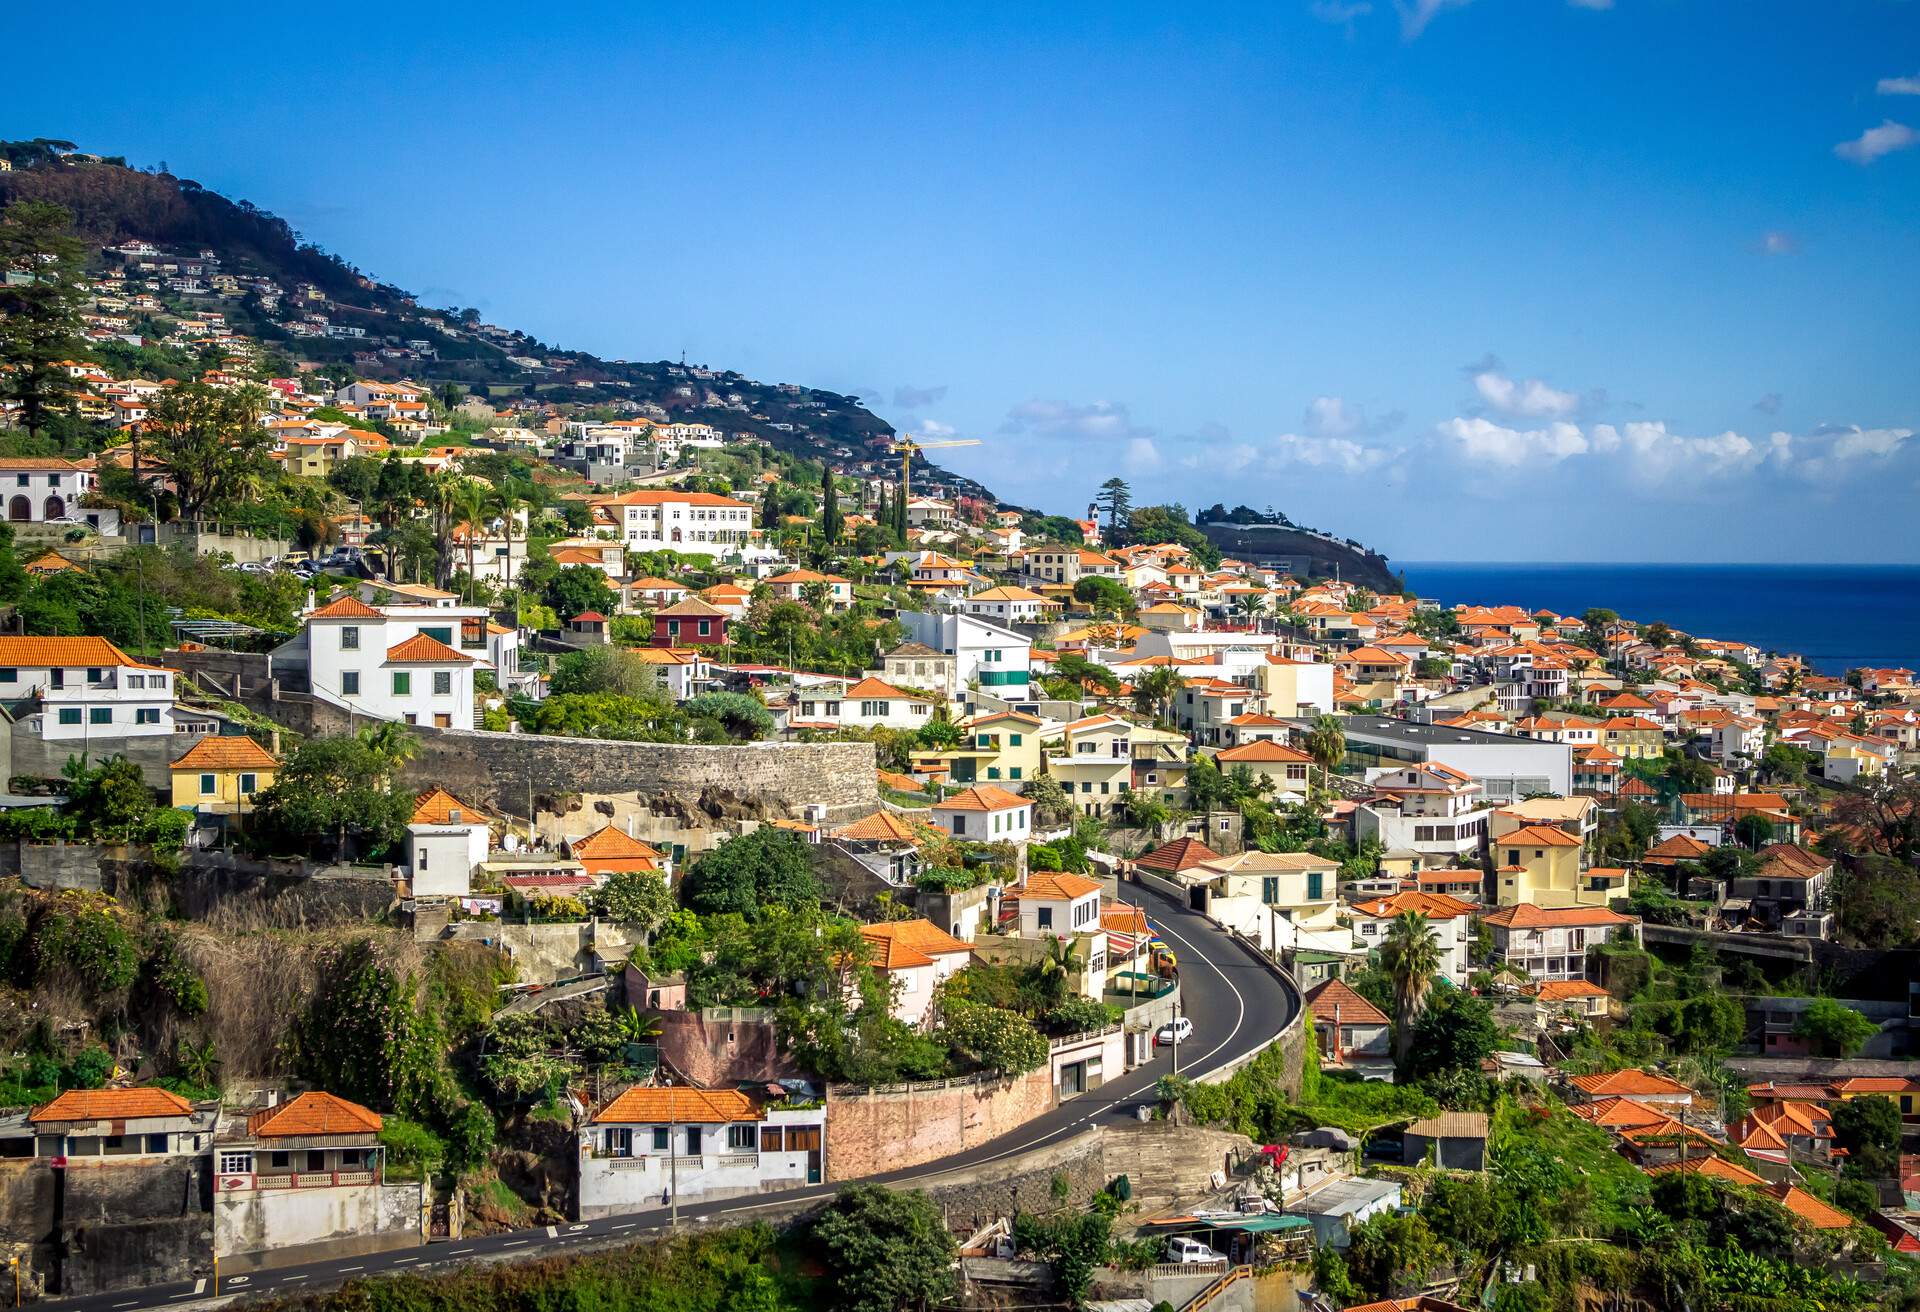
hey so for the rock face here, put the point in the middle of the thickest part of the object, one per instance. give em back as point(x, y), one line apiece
point(1302, 553)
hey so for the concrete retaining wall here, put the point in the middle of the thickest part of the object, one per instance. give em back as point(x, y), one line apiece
point(884, 1129)
point(284, 1227)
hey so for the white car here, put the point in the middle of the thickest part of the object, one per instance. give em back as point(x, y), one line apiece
point(1192, 1251)
point(1179, 1028)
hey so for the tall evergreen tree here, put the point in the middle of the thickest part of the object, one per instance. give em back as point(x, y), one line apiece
point(830, 519)
point(40, 311)
point(1116, 498)
point(883, 513)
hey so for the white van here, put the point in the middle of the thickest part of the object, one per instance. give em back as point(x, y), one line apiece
point(1193, 1252)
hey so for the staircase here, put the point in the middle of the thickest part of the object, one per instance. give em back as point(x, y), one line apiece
point(1168, 1166)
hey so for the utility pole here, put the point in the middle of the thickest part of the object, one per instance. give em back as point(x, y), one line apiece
point(673, 1165)
point(1176, 1036)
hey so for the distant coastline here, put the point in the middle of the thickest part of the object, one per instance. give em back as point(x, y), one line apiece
point(1837, 616)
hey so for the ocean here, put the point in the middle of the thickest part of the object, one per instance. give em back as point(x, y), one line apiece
point(1836, 616)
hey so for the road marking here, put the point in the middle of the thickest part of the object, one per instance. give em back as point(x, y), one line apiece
point(199, 1284)
point(239, 1280)
point(553, 1232)
point(353, 1268)
point(290, 1279)
point(404, 1260)
point(187, 1294)
point(628, 1226)
point(129, 1303)
point(515, 1243)
point(456, 1252)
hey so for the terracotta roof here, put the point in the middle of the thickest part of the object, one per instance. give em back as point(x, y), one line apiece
point(1180, 854)
point(1525, 915)
point(654, 1106)
point(1536, 836)
point(226, 753)
point(879, 688)
point(899, 944)
point(1354, 1009)
point(900, 783)
point(1057, 886)
point(61, 653)
point(1619, 1113)
point(1785, 861)
point(1718, 1168)
point(111, 1105)
point(1264, 750)
point(1804, 1205)
point(312, 1114)
point(611, 848)
point(690, 607)
point(880, 827)
point(984, 797)
point(1681, 847)
point(1434, 906)
point(424, 649)
point(1564, 990)
point(345, 608)
point(437, 806)
point(1629, 1083)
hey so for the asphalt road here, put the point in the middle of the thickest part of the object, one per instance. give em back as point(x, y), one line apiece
point(1235, 1004)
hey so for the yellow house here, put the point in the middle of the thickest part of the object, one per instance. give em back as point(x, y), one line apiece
point(1003, 747)
point(1541, 865)
point(220, 776)
point(1635, 737)
point(1102, 757)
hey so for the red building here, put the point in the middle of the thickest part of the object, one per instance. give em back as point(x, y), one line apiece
point(689, 622)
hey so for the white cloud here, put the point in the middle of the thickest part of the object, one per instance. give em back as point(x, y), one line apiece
point(1340, 13)
point(1898, 86)
point(1875, 142)
point(1527, 398)
point(1141, 455)
point(1840, 453)
point(1333, 416)
point(1651, 454)
point(1416, 14)
point(1484, 441)
point(1337, 453)
point(933, 430)
point(1100, 420)
point(1777, 243)
point(909, 397)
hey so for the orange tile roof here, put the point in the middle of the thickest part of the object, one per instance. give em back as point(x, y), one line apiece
point(899, 944)
point(226, 753)
point(1434, 906)
point(437, 806)
point(1057, 886)
point(1804, 1205)
point(872, 688)
point(311, 1114)
point(1564, 990)
point(61, 653)
point(900, 783)
point(609, 844)
point(1536, 836)
point(424, 649)
point(1180, 854)
point(654, 1106)
point(1264, 750)
point(111, 1105)
point(1629, 1083)
point(984, 797)
point(1354, 1009)
point(1681, 847)
point(880, 827)
point(345, 608)
point(1718, 1168)
point(1525, 915)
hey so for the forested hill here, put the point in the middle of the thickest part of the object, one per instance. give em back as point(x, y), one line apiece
point(287, 284)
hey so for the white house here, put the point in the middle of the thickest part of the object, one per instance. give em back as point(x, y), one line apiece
point(696, 1144)
point(1010, 605)
point(1552, 943)
point(914, 956)
point(1449, 925)
point(650, 520)
point(1430, 810)
point(1248, 891)
point(446, 839)
point(874, 702)
point(1058, 905)
point(985, 814)
point(87, 688)
point(40, 488)
point(997, 659)
point(410, 663)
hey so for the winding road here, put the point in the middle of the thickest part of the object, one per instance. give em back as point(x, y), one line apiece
point(1235, 1001)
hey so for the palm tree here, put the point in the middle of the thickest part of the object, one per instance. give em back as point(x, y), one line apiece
point(390, 745)
point(1411, 959)
point(1153, 692)
point(636, 1027)
point(1326, 743)
point(1062, 959)
point(198, 1062)
point(1252, 605)
point(469, 508)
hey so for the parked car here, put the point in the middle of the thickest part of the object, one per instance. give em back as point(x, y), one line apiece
point(1180, 1027)
point(1192, 1251)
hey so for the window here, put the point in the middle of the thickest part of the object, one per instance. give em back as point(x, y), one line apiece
point(209, 785)
point(236, 1163)
point(249, 784)
point(1270, 888)
point(1513, 856)
point(156, 1143)
point(1314, 878)
point(706, 628)
point(619, 1141)
point(100, 715)
point(1014, 772)
point(442, 683)
point(9, 675)
point(23, 479)
point(438, 632)
point(693, 1141)
point(350, 638)
point(993, 772)
point(69, 715)
point(350, 683)
point(402, 683)
point(742, 1138)
point(660, 1141)
point(1013, 739)
point(873, 709)
point(280, 1161)
point(1044, 917)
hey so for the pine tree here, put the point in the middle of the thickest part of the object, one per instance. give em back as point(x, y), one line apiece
point(830, 521)
point(40, 316)
point(883, 513)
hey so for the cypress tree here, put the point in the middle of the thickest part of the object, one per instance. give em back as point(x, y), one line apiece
point(830, 522)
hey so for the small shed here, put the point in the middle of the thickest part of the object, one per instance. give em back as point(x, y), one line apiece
point(1458, 1141)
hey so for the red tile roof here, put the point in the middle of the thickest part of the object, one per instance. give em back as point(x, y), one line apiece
point(111, 1105)
point(313, 1114)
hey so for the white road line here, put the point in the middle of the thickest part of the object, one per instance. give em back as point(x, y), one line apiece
point(353, 1268)
point(553, 1232)
point(458, 1251)
point(628, 1226)
point(187, 1294)
point(515, 1243)
point(129, 1303)
point(404, 1260)
point(199, 1284)
point(290, 1279)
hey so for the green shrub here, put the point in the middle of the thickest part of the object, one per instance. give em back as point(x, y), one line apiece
point(91, 944)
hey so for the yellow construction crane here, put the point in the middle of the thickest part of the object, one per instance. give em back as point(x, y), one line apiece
point(908, 448)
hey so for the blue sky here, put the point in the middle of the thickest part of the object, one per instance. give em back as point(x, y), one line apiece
point(1466, 279)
